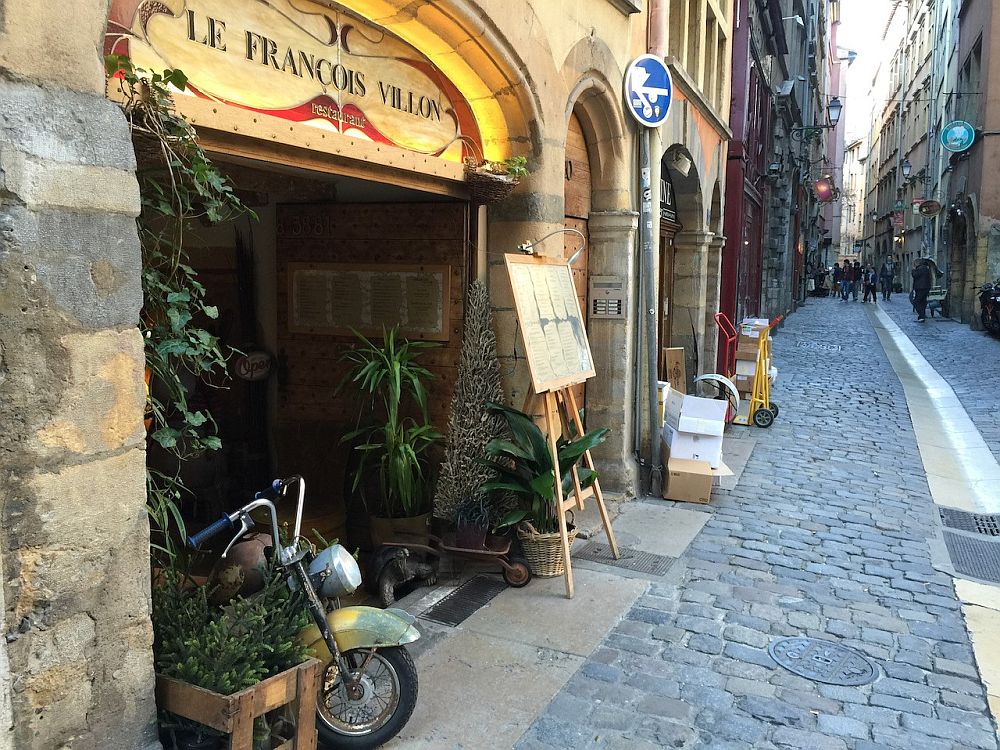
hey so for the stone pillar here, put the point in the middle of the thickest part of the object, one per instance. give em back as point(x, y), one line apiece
point(74, 539)
point(690, 299)
point(712, 300)
point(612, 342)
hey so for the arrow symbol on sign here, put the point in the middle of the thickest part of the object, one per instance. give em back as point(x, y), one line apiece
point(644, 95)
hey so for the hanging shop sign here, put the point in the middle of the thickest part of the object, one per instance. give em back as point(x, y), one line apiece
point(649, 90)
point(824, 190)
point(958, 136)
point(253, 366)
point(897, 218)
point(930, 208)
point(299, 61)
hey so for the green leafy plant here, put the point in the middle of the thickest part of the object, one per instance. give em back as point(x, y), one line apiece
point(178, 185)
point(515, 167)
point(393, 443)
point(475, 511)
point(524, 467)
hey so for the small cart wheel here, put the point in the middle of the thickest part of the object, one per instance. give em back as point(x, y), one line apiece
point(518, 574)
point(763, 417)
point(774, 409)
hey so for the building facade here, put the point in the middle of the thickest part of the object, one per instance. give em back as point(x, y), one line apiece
point(344, 126)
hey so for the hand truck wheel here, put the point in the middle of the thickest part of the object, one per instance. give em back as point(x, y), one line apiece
point(774, 408)
point(763, 417)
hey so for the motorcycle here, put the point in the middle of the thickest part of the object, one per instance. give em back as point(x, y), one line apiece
point(369, 685)
point(989, 304)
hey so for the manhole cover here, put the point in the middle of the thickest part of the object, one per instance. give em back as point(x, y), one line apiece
point(631, 559)
point(974, 556)
point(823, 661)
point(979, 523)
point(461, 603)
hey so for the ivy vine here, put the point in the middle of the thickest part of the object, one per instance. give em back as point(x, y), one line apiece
point(178, 185)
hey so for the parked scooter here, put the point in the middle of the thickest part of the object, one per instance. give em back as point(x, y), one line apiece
point(989, 306)
point(369, 686)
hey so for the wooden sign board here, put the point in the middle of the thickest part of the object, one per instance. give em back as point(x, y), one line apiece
point(551, 322)
point(334, 298)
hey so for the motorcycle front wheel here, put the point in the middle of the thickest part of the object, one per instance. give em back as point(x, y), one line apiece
point(380, 707)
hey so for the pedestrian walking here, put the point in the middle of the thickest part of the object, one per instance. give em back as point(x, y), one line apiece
point(838, 280)
point(921, 286)
point(871, 282)
point(885, 275)
point(858, 279)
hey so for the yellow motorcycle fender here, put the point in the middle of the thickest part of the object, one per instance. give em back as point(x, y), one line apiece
point(361, 627)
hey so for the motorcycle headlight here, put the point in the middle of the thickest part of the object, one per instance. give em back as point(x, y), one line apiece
point(334, 572)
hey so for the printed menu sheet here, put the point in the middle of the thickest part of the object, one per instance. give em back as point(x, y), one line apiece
point(336, 298)
point(552, 327)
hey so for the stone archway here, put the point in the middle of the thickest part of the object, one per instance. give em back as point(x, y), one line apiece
point(962, 261)
point(611, 225)
point(688, 255)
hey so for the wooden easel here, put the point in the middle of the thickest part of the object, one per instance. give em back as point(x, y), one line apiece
point(552, 402)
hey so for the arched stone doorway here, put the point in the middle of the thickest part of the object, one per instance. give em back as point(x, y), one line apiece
point(597, 201)
point(684, 254)
point(962, 261)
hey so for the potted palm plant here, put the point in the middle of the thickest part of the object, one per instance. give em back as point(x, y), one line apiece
point(525, 468)
point(393, 444)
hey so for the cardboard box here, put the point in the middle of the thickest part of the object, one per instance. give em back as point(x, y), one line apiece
point(746, 367)
point(688, 481)
point(747, 354)
point(672, 364)
point(662, 389)
point(744, 384)
point(706, 416)
point(695, 446)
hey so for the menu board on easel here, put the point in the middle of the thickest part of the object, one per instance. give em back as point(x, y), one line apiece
point(552, 325)
point(336, 298)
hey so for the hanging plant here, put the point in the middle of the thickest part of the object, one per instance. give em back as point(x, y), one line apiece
point(178, 185)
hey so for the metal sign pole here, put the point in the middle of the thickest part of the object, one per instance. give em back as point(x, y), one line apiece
point(649, 292)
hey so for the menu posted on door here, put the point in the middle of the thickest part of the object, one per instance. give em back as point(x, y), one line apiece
point(338, 298)
point(551, 323)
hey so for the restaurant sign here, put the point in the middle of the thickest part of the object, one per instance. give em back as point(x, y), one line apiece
point(299, 61)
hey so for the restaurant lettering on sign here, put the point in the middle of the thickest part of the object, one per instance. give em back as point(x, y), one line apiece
point(301, 62)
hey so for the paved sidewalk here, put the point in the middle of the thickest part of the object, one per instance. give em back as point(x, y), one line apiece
point(826, 535)
point(967, 359)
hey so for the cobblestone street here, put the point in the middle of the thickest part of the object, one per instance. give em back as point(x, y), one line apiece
point(967, 359)
point(826, 535)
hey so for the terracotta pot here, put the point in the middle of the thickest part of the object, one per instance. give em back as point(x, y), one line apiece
point(415, 530)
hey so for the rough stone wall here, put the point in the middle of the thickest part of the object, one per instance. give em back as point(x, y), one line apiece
point(76, 664)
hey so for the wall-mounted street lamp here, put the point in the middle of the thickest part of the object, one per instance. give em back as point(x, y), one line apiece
point(797, 19)
point(833, 109)
point(906, 169)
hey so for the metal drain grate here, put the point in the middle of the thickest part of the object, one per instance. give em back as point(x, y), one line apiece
point(467, 599)
point(631, 559)
point(823, 661)
point(979, 523)
point(975, 557)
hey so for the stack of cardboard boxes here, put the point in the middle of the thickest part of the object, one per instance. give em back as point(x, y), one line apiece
point(691, 446)
point(747, 349)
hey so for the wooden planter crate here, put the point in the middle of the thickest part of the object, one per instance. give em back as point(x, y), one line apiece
point(234, 714)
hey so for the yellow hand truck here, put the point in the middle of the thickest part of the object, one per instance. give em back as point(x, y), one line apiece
point(761, 410)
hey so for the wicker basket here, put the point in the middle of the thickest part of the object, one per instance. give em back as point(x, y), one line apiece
point(486, 188)
point(544, 551)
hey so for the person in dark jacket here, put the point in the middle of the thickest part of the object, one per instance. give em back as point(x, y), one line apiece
point(885, 275)
point(859, 277)
point(921, 286)
point(838, 280)
point(871, 281)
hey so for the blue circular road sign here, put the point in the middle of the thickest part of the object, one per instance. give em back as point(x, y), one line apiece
point(958, 135)
point(648, 90)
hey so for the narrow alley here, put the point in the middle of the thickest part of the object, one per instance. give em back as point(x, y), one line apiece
point(831, 533)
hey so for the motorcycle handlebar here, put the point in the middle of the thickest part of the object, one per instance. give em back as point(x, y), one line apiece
point(223, 524)
point(276, 488)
